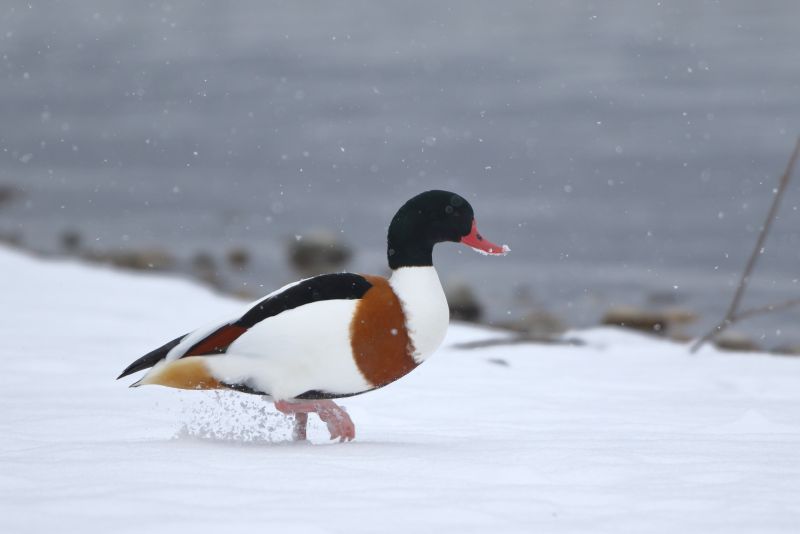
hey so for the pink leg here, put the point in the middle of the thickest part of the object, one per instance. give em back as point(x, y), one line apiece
point(300, 425)
point(339, 423)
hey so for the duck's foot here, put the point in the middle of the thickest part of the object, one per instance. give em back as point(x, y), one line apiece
point(339, 423)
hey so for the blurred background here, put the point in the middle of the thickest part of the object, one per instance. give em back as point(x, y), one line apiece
point(626, 152)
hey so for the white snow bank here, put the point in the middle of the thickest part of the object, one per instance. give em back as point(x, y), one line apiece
point(625, 434)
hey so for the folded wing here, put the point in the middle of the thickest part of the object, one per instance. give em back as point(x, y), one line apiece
point(340, 286)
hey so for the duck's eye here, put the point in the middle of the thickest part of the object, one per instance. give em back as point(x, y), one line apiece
point(448, 210)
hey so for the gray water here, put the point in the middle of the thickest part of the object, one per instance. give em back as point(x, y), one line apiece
point(621, 150)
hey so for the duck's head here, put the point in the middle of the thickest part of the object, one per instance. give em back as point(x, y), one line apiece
point(429, 218)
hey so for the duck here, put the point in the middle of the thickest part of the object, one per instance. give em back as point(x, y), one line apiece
point(334, 335)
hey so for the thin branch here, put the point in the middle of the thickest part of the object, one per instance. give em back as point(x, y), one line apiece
point(769, 308)
point(759, 310)
point(730, 315)
point(517, 340)
point(762, 237)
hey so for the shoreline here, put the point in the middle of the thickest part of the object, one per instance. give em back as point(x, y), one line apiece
point(538, 326)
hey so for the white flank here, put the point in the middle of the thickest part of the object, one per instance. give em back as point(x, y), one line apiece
point(425, 307)
point(201, 333)
point(307, 348)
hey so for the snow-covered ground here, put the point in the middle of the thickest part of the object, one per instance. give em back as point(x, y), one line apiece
point(624, 434)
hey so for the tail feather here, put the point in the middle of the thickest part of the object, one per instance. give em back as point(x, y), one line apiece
point(150, 359)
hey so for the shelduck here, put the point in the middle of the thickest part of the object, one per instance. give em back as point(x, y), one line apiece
point(334, 335)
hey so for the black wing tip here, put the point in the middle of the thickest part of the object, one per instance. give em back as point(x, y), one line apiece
point(125, 373)
point(133, 368)
point(151, 358)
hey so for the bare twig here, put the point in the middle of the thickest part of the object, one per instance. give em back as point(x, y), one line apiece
point(762, 237)
point(731, 316)
point(759, 310)
point(517, 340)
point(769, 308)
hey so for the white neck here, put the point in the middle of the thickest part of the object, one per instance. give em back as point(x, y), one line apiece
point(425, 307)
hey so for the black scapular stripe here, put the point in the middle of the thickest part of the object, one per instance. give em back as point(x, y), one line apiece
point(341, 286)
point(151, 358)
point(321, 395)
point(308, 395)
point(243, 388)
